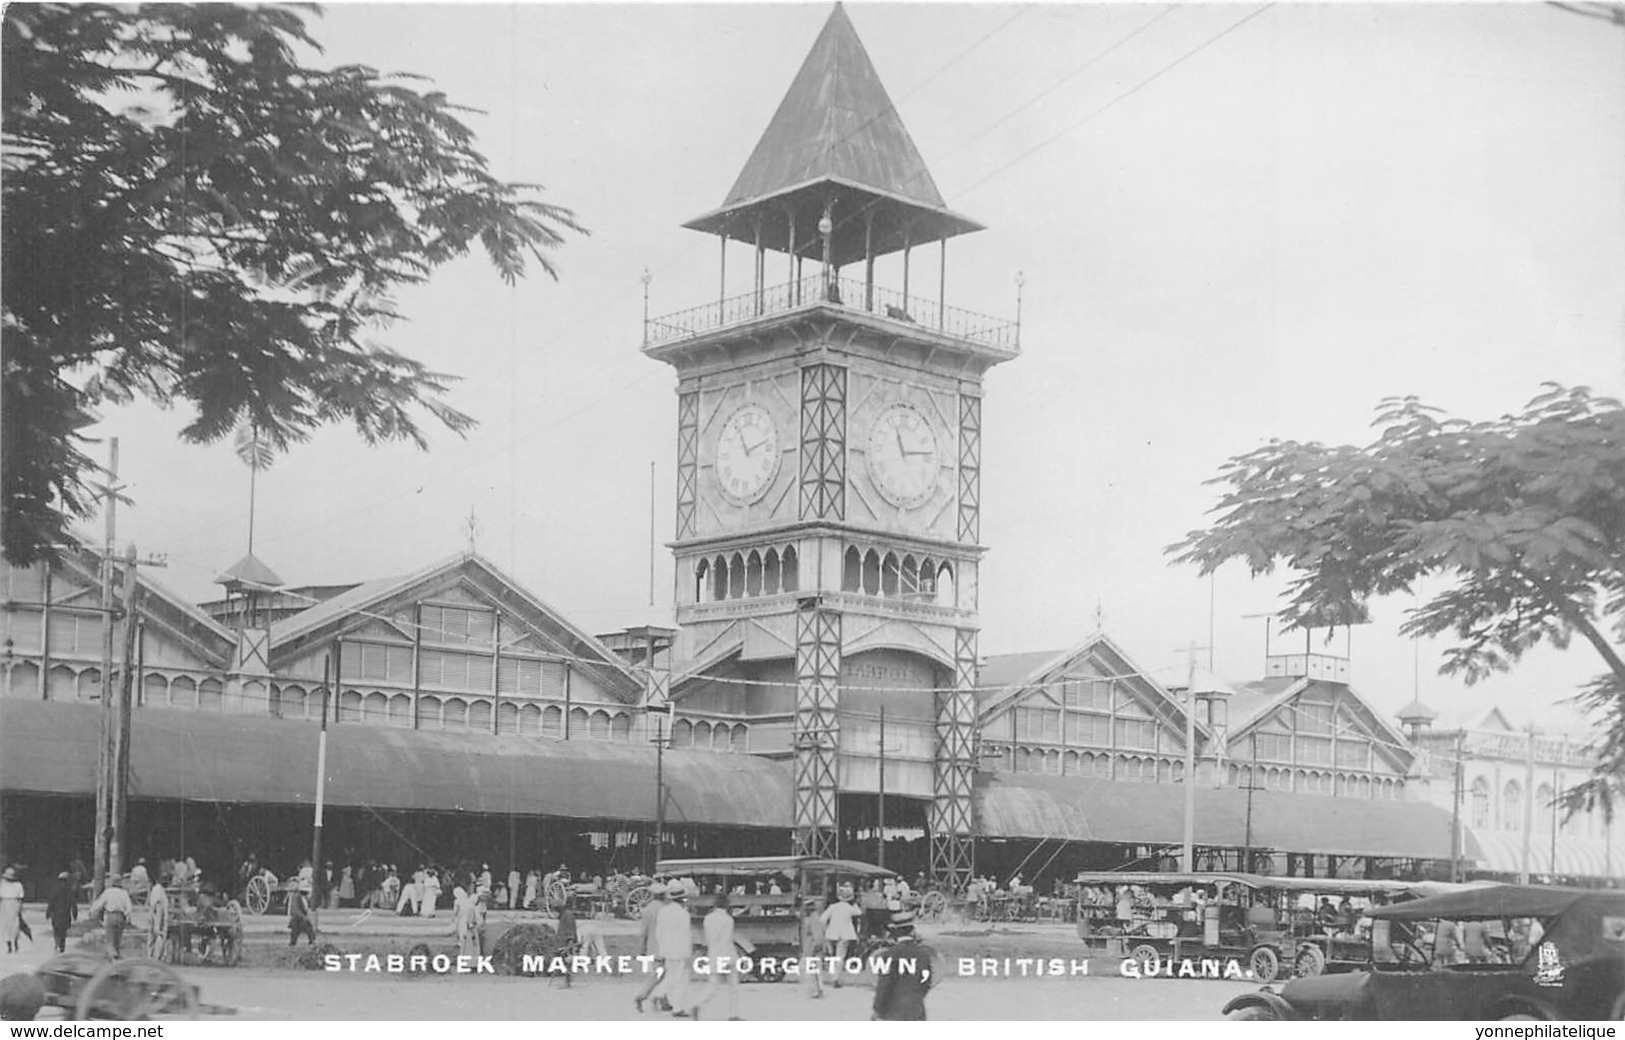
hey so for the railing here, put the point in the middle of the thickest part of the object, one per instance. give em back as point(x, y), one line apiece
point(845, 292)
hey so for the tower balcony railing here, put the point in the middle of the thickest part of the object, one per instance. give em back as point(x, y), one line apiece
point(849, 293)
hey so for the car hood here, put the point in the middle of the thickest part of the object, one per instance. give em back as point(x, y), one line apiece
point(1326, 996)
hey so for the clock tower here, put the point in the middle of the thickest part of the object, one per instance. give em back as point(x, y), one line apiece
point(829, 435)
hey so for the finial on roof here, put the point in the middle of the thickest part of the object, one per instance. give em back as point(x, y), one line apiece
point(1416, 712)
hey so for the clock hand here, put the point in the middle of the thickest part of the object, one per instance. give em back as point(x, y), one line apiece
point(899, 435)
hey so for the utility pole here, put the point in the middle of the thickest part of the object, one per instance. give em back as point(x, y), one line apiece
point(118, 809)
point(104, 747)
point(660, 792)
point(880, 840)
point(1455, 810)
point(1528, 802)
point(320, 896)
point(1247, 850)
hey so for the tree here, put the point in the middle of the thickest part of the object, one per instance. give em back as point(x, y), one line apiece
point(1525, 515)
point(192, 214)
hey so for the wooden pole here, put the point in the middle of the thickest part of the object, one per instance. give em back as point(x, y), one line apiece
point(104, 750)
point(319, 896)
point(880, 855)
point(119, 809)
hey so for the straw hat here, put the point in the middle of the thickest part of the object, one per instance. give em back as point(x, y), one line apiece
point(10, 874)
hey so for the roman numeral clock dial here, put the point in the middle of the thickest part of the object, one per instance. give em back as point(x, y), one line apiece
point(902, 456)
point(747, 455)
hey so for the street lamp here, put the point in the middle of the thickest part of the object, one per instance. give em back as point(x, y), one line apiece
point(1200, 686)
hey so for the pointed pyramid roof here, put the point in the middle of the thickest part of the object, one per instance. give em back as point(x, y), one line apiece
point(1416, 711)
point(250, 571)
point(836, 137)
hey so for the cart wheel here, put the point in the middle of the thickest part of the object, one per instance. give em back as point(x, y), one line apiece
point(258, 895)
point(636, 900)
point(1146, 954)
point(933, 906)
point(1265, 964)
point(1309, 962)
point(136, 990)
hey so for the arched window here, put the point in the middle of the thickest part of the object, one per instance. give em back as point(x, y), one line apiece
point(753, 574)
point(208, 694)
point(736, 576)
point(851, 570)
point(911, 575)
point(429, 714)
point(375, 708)
point(620, 727)
point(349, 705)
point(578, 724)
point(1052, 762)
point(1512, 806)
point(530, 720)
point(182, 691)
point(790, 581)
point(1069, 763)
point(507, 718)
point(154, 688)
point(455, 713)
point(479, 716)
point(702, 735)
point(1024, 760)
point(702, 576)
point(1165, 771)
point(90, 685)
point(889, 575)
point(400, 711)
point(682, 733)
point(719, 736)
point(771, 573)
point(292, 702)
point(599, 726)
point(1365, 787)
point(871, 573)
point(719, 579)
point(1178, 774)
point(1543, 807)
point(739, 739)
point(1232, 776)
point(946, 593)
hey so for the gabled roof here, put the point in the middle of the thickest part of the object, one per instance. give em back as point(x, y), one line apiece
point(355, 608)
point(1003, 679)
point(171, 611)
point(1263, 698)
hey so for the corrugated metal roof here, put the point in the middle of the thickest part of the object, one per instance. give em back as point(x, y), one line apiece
point(250, 570)
point(1086, 809)
point(48, 748)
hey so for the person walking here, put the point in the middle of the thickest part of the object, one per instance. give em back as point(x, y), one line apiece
point(840, 929)
point(647, 946)
point(812, 948)
point(11, 908)
point(905, 974)
point(157, 913)
point(114, 906)
point(430, 900)
point(465, 922)
point(674, 944)
point(722, 957)
point(299, 914)
point(513, 888)
point(62, 909)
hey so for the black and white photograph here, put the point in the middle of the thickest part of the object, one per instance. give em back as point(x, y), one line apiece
point(812, 512)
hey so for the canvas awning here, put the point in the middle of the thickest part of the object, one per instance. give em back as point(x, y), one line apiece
point(50, 748)
point(1022, 805)
point(1502, 852)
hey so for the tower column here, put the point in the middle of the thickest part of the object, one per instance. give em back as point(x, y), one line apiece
point(951, 823)
point(816, 735)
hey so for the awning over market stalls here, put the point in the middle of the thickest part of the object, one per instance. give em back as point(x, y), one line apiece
point(1065, 808)
point(1502, 852)
point(50, 748)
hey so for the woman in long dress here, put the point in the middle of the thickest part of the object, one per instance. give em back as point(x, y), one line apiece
point(11, 908)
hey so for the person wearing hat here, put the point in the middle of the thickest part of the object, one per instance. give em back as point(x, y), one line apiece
point(62, 909)
point(905, 974)
point(299, 913)
point(11, 908)
point(674, 945)
point(646, 939)
point(840, 928)
point(114, 906)
point(722, 956)
point(812, 947)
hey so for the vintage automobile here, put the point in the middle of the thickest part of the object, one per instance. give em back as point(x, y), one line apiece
point(1319, 945)
point(768, 893)
point(1234, 919)
point(1535, 952)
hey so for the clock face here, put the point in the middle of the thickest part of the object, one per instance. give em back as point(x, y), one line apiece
point(902, 456)
point(747, 454)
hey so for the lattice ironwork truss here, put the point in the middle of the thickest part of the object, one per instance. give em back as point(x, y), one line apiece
point(817, 730)
point(970, 467)
point(952, 823)
point(823, 442)
point(688, 459)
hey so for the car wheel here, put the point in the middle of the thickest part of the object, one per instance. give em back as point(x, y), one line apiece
point(1309, 963)
point(1146, 954)
point(1253, 1013)
point(1265, 964)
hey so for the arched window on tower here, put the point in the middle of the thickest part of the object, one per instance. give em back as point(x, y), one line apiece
point(851, 570)
point(945, 585)
point(928, 579)
point(702, 575)
point(770, 573)
point(719, 579)
point(753, 574)
point(910, 575)
point(889, 575)
point(871, 573)
point(736, 576)
point(790, 564)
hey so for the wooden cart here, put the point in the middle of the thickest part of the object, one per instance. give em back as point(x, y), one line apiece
point(85, 984)
point(190, 926)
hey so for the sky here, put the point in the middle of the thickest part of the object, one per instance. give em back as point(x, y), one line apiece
point(1234, 222)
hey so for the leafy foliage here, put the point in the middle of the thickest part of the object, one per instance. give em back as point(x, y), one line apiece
point(1525, 514)
point(192, 214)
